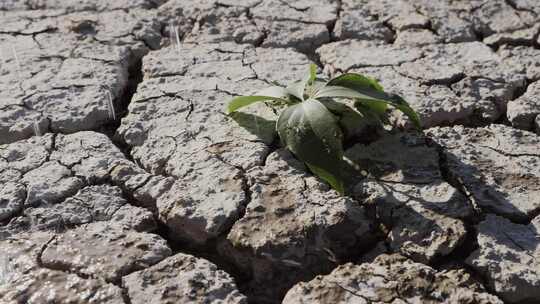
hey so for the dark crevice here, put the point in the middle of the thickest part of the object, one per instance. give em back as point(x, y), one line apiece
point(521, 90)
point(355, 294)
point(457, 259)
point(154, 5)
point(315, 58)
point(33, 34)
point(389, 26)
point(39, 260)
point(455, 181)
point(479, 212)
point(514, 6)
point(480, 36)
point(430, 27)
point(446, 82)
point(468, 245)
point(331, 27)
point(301, 10)
point(125, 294)
point(509, 154)
point(263, 38)
point(300, 21)
point(121, 105)
point(220, 90)
point(510, 42)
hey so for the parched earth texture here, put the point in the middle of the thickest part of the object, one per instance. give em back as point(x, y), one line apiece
point(123, 181)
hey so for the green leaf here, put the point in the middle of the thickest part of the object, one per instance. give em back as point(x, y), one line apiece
point(311, 132)
point(274, 93)
point(356, 82)
point(371, 112)
point(351, 120)
point(316, 85)
point(399, 103)
point(344, 92)
point(334, 181)
point(364, 85)
point(375, 100)
point(298, 88)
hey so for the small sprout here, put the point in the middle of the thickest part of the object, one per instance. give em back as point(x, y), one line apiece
point(37, 129)
point(110, 106)
point(312, 124)
point(17, 62)
point(174, 35)
point(93, 70)
point(291, 263)
point(331, 255)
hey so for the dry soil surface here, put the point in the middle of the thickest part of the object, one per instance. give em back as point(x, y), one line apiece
point(123, 181)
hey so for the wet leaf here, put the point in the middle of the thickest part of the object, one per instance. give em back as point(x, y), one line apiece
point(374, 100)
point(298, 89)
point(274, 93)
point(311, 132)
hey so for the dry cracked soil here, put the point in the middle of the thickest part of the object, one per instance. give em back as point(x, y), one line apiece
point(123, 181)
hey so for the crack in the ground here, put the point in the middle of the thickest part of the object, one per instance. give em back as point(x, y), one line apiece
point(389, 26)
point(298, 9)
point(125, 293)
point(514, 6)
point(510, 154)
point(521, 90)
point(39, 260)
point(33, 34)
point(455, 181)
point(355, 293)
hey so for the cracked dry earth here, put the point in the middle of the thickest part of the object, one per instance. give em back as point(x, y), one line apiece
point(122, 180)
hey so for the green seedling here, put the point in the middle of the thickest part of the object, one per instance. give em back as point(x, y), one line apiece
point(311, 123)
